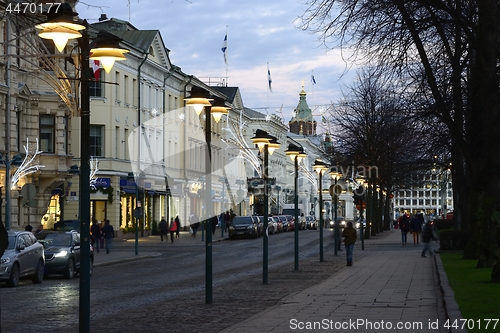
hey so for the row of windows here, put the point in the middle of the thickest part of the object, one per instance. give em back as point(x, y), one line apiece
point(420, 202)
point(423, 194)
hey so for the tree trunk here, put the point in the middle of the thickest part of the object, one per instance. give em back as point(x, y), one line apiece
point(482, 121)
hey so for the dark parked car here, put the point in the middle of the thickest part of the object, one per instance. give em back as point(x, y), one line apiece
point(22, 258)
point(67, 225)
point(243, 226)
point(62, 252)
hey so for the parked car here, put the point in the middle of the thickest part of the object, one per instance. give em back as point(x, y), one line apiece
point(62, 252)
point(311, 223)
point(278, 223)
point(22, 258)
point(284, 221)
point(291, 222)
point(243, 226)
point(259, 220)
point(302, 223)
point(67, 225)
point(270, 225)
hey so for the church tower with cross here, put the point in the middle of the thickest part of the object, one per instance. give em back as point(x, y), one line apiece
point(302, 122)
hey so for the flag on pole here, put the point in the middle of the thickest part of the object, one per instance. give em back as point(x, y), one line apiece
point(224, 48)
point(269, 78)
point(96, 69)
point(312, 79)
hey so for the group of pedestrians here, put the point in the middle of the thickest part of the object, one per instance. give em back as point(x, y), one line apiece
point(417, 226)
point(173, 228)
point(102, 237)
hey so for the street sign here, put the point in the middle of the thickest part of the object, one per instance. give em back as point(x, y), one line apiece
point(139, 212)
point(28, 191)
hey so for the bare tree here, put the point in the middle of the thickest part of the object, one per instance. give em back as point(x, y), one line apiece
point(451, 50)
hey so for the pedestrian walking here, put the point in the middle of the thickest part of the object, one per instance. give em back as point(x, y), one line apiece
point(108, 234)
point(350, 237)
point(227, 220)
point(427, 237)
point(404, 225)
point(214, 222)
point(178, 225)
point(416, 227)
point(163, 227)
point(96, 235)
point(28, 228)
point(194, 223)
point(172, 229)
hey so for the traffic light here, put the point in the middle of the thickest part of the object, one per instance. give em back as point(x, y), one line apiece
point(359, 195)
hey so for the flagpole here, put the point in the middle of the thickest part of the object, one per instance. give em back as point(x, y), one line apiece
point(269, 82)
point(226, 58)
point(312, 87)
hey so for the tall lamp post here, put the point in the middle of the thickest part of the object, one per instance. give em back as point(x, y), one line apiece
point(16, 161)
point(60, 26)
point(267, 144)
point(296, 154)
point(320, 167)
point(199, 100)
point(335, 190)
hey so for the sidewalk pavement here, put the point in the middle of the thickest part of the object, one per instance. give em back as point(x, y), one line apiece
point(123, 250)
point(390, 285)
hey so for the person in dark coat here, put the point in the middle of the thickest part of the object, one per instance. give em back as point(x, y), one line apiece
point(163, 227)
point(350, 237)
point(178, 224)
point(427, 237)
point(4, 238)
point(108, 234)
point(404, 225)
point(416, 227)
point(194, 223)
point(214, 220)
point(95, 229)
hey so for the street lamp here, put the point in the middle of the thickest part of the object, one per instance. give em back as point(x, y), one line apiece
point(359, 199)
point(139, 209)
point(335, 190)
point(267, 144)
point(60, 26)
point(296, 154)
point(320, 167)
point(17, 160)
point(199, 100)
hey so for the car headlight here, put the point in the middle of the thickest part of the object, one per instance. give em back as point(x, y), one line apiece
point(61, 254)
point(250, 227)
point(231, 228)
point(5, 260)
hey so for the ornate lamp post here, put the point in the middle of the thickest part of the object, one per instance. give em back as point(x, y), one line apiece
point(335, 190)
point(296, 154)
point(199, 100)
point(320, 167)
point(267, 144)
point(60, 26)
